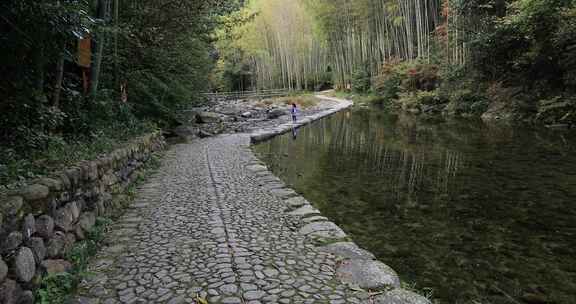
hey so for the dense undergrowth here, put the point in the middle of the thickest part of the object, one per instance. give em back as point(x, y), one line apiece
point(522, 67)
point(141, 63)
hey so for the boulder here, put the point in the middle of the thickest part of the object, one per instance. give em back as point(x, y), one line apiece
point(304, 211)
point(315, 227)
point(52, 184)
point(204, 134)
point(246, 114)
point(35, 192)
point(74, 175)
point(12, 241)
point(56, 266)
point(55, 246)
point(90, 171)
point(368, 274)
point(87, 221)
point(276, 113)
point(208, 117)
point(45, 226)
point(79, 233)
point(37, 246)
point(3, 270)
point(348, 250)
point(10, 292)
point(185, 131)
point(64, 218)
point(283, 193)
point(11, 205)
point(29, 226)
point(64, 180)
point(296, 202)
point(25, 264)
point(27, 297)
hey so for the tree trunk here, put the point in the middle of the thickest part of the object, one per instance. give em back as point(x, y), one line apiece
point(58, 82)
point(39, 62)
point(100, 42)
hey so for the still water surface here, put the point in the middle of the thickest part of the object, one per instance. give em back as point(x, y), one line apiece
point(475, 213)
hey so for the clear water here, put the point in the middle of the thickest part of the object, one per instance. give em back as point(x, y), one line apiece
point(475, 213)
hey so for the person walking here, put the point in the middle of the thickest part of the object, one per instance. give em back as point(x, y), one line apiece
point(294, 111)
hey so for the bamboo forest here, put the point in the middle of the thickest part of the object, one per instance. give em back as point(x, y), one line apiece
point(288, 151)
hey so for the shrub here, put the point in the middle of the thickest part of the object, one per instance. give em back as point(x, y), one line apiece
point(425, 101)
point(421, 77)
point(361, 80)
point(396, 77)
point(467, 102)
point(558, 109)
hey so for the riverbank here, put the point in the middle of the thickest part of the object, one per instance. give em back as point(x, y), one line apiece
point(503, 106)
point(238, 235)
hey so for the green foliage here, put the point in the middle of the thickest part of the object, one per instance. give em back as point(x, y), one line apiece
point(16, 164)
point(522, 48)
point(408, 81)
point(467, 102)
point(162, 53)
point(361, 82)
point(558, 109)
point(564, 40)
point(57, 288)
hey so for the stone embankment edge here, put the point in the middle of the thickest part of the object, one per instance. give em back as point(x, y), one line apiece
point(357, 268)
point(41, 222)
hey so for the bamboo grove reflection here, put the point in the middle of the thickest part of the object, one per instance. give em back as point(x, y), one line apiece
point(474, 212)
point(394, 156)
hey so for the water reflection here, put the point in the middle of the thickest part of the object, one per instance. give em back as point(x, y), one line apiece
point(475, 212)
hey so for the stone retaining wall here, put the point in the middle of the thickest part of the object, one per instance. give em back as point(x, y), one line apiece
point(41, 221)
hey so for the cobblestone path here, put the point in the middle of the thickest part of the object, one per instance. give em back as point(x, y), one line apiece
point(215, 226)
point(212, 225)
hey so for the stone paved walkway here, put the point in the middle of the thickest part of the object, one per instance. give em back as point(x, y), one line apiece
point(214, 224)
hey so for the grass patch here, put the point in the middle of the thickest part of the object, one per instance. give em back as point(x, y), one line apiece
point(303, 101)
point(360, 98)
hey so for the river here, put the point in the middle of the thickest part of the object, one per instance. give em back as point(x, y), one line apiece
point(473, 213)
